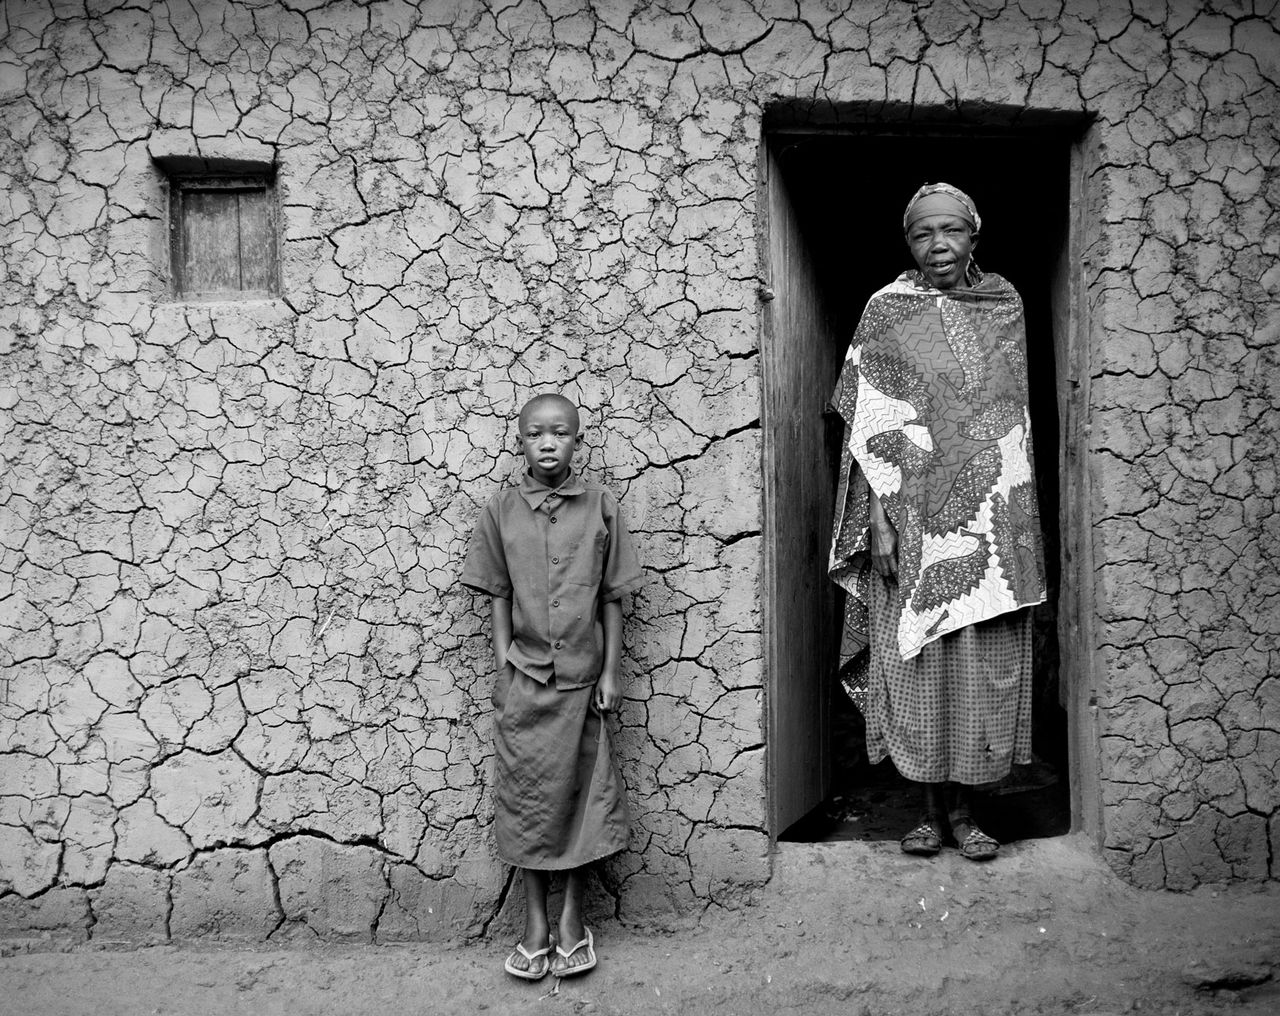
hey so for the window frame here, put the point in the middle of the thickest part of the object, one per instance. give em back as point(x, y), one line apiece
point(181, 184)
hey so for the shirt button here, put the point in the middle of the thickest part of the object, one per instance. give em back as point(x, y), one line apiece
point(559, 644)
point(553, 520)
point(555, 560)
point(555, 603)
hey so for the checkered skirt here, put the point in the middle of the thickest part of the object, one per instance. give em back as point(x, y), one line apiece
point(959, 710)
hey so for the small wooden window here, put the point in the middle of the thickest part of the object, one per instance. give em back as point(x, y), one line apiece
point(223, 237)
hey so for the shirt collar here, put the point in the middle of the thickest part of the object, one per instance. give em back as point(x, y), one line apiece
point(535, 493)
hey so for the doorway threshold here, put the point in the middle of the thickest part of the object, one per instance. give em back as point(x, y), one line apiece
point(874, 803)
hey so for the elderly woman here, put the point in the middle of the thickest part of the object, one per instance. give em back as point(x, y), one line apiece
point(937, 539)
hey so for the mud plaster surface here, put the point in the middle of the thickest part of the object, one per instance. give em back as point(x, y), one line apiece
point(242, 694)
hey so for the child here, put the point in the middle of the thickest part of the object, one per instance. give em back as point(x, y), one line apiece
point(555, 558)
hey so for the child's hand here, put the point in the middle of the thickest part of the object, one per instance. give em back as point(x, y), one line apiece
point(608, 693)
point(502, 678)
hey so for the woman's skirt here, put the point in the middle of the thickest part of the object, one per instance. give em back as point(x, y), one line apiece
point(959, 710)
point(559, 802)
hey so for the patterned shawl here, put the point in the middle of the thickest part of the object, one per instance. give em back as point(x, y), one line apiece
point(933, 394)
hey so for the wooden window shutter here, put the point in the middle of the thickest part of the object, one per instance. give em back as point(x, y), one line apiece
point(223, 238)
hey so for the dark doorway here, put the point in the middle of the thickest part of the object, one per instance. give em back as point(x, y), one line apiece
point(842, 195)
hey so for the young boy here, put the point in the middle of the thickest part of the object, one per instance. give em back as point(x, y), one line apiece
point(555, 558)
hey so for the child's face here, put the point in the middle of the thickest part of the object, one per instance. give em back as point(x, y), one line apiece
point(548, 437)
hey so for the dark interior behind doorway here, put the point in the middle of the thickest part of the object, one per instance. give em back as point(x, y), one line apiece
point(849, 191)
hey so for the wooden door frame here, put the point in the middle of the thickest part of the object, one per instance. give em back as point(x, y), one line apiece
point(1080, 671)
point(1081, 668)
point(811, 785)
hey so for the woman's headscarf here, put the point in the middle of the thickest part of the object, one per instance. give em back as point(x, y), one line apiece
point(941, 199)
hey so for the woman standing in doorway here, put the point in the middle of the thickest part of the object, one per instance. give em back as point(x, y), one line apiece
point(937, 538)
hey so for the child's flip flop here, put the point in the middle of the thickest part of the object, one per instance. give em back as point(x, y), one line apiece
point(588, 944)
point(536, 971)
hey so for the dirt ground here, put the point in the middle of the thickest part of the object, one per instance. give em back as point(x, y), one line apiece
point(849, 928)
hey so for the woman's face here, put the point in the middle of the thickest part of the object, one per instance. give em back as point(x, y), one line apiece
point(941, 246)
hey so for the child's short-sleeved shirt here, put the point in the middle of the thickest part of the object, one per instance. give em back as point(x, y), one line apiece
point(557, 555)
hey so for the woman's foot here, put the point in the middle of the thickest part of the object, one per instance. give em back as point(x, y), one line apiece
point(974, 844)
point(924, 840)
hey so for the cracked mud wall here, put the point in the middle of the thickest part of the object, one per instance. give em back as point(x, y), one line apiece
point(242, 693)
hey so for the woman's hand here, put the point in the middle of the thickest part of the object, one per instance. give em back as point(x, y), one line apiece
point(884, 548)
point(608, 695)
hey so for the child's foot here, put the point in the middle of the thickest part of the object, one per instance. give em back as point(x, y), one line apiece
point(528, 964)
point(578, 958)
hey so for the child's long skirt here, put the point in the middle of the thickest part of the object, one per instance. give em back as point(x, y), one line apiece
point(559, 802)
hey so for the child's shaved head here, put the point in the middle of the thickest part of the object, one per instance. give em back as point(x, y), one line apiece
point(548, 436)
point(550, 399)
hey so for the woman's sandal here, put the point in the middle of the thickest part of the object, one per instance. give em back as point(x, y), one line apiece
point(974, 844)
point(924, 840)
